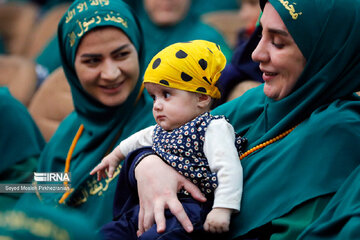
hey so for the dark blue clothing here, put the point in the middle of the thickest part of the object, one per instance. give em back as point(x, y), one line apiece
point(183, 149)
point(127, 225)
point(241, 67)
point(126, 209)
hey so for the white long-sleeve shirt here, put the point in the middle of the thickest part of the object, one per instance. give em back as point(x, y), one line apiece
point(221, 154)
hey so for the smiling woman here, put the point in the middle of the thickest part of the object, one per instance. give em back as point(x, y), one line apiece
point(281, 61)
point(102, 54)
point(107, 65)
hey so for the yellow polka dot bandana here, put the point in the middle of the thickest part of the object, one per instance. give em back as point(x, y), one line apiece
point(193, 66)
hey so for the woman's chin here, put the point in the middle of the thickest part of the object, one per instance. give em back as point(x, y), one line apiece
point(269, 92)
point(113, 101)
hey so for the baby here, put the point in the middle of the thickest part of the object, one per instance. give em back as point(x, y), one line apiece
point(204, 148)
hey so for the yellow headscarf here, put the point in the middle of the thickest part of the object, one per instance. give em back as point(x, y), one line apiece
point(193, 66)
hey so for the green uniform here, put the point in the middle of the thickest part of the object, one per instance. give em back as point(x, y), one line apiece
point(309, 165)
point(21, 143)
point(104, 127)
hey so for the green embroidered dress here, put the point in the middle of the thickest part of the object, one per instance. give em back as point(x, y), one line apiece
point(308, 165)
point(104, 127)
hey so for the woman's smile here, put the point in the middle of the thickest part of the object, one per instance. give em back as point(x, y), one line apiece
point(112, 88)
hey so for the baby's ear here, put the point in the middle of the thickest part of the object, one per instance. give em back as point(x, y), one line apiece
point(204, 100)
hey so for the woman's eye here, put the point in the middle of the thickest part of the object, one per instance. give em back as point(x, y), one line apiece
point(91, 61)
point(278, 45)
point(121, 55)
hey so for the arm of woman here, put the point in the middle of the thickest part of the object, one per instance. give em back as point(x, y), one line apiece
point(158, 184)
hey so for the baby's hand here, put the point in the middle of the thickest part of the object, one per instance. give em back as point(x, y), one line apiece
point(218, 220)
point(108, 164)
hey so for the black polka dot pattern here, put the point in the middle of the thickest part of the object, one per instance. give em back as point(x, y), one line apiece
point(201, 89)
point(156, 63)
point(164, 82)
point(203, 64)
point(181, 54)
point(182, 149)
point(183, 63)
point(186, 77)
point(206, 80)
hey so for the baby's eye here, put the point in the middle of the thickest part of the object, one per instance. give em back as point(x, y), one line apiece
point(167, 94)
point(153, 97)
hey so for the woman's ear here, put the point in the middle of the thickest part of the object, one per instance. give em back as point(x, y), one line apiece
point(204, 100)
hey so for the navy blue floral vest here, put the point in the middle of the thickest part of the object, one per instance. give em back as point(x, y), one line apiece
point(182, 148)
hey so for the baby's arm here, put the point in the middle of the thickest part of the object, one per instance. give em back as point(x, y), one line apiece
point(112, 160)
point(223, 158)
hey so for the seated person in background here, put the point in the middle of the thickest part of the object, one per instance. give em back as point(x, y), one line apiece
point(248, 14)
point(27, 26)
point(182, 81)
point(163, 23)
point(242, 73)
point(20, 143)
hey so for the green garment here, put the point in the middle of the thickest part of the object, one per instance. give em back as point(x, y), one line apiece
point(316, 157)
point(19, 173)
point(341, 218)
point(293, 223)
point(102, 124)
point(21, 143)
point(49, 57)
point(42, 222)
point(20, 137)
point(2, 46)
point(200, 7)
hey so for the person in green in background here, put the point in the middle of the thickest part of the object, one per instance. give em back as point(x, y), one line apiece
point(302, 124)
point(168, 22)
point(102, 53)
point(21, 143)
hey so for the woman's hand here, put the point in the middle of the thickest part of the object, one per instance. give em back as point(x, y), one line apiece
point(158, 184)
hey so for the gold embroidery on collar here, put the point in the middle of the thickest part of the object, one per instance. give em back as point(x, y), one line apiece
point(291, 9)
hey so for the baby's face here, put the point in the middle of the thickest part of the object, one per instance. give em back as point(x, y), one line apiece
point(172, 107)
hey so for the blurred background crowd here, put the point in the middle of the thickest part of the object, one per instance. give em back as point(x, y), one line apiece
point(30, 64)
